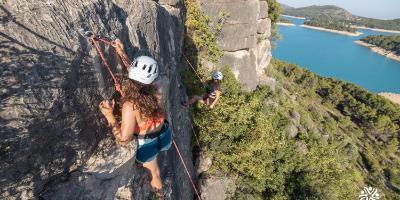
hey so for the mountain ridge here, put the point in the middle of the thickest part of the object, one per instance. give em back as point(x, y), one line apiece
point(338, 14)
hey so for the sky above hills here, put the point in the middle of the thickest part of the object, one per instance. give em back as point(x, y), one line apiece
point(380, 9)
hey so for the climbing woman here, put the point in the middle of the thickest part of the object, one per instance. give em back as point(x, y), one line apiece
point(143, 115)
point(212, 96)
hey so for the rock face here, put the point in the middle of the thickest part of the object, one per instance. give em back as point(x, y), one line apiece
point(215, 188)
point(244, 37)
point(294, 128)
point(54, 142)
point(202, 164)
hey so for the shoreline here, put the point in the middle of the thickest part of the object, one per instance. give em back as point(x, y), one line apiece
point(379, 50)
point(376, 29)
point(393, 97)
point(285, 24)
point(332, 31)
point(290, 16)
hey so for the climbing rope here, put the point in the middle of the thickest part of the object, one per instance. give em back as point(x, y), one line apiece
point(186, 169)
point(195, 135)
point(194, 70)
point(202, 82)
point(94, 41)
point(96, 45)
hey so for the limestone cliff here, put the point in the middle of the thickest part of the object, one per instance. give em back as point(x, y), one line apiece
point(54, 143)
point(243, 37)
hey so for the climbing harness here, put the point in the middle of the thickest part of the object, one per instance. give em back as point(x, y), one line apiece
point(94, 40)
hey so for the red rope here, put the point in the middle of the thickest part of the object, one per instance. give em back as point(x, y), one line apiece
point(186, 169)
point(194, 70)
point(195, 135)
point(104, 41)
point(103, 59)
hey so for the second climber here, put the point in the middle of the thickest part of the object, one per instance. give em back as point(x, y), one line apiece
point(211, 97)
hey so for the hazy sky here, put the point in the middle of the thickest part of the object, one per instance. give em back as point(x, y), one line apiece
point(381, 9)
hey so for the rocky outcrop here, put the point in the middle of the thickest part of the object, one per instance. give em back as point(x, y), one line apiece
point(202, 164)
point(216, 188)
point(243, 38)
point(54, 142)
point(294, 127)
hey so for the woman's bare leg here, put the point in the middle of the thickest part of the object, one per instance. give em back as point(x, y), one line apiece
point(155, 179)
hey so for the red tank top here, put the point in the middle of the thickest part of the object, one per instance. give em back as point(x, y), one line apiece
point(149, 123)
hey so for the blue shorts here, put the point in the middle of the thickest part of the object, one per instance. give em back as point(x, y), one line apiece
point(148, 149)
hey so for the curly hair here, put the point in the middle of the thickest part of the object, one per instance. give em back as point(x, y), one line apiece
point(144, 98)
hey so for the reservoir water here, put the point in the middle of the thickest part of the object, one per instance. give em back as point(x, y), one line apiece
point(333, 55)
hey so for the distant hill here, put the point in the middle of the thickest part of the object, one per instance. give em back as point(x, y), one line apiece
point(284, 6)
point(316, 11)
point(341, 15)
point(393, 24)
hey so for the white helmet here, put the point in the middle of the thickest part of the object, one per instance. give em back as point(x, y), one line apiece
point(218, 75)
point(144, 69)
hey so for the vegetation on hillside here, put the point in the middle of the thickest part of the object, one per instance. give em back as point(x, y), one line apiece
point(347, 138)
point(329, 24)
point(246, 137)
point(377, 23)
point(390, 43)
point(309, 12)
point(365, 125)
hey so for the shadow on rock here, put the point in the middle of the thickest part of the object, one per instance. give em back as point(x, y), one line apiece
point(47, 114)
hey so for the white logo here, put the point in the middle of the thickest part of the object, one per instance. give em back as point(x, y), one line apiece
point(369, 193)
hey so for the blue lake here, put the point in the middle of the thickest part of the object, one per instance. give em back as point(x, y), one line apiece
point(333, 55)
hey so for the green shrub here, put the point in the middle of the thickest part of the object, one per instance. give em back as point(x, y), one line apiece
point(274, 12)
point(200, 35)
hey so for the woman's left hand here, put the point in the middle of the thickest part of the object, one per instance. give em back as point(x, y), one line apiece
point(107, 107)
